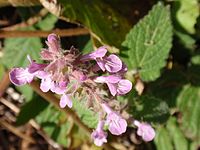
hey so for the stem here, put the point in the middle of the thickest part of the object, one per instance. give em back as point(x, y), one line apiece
point(63, 32)
point(4, 83)
point(52, 99)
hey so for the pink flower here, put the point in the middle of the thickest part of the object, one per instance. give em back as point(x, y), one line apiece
point(20, 76)
point(117, 125)
point(112, 63)
point(145, 131)
point(98, 135)
point(115, 84)
point(54, 49)
point(65, 101)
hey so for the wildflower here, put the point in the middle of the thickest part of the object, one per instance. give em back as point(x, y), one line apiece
point(145, 131)
point(116, 124)
point(98, 135)
point(112, 63)
point(65, 101)
point(115, 84)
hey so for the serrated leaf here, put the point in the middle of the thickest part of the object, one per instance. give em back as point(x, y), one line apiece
point(179, 141)
point(188, 102)
point(148, 43)
point(87, 116)
point(17, 49)
point(104, 21)
point(149, 109)
point(31, 109)
point(47, 23)
point(163, 140)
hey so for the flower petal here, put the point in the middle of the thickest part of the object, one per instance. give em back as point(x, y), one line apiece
point(124, 86)
point(20, 76)
point(65, 100)
point(112, 87)
point(113, 63)
point(117, 124)
point(46, 84)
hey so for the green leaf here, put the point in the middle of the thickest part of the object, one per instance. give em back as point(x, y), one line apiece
point(87, 116)
point(88, 47)
point(168, 86)
point(55, 124)
point(27, 91)
point(179, 141)
point(105, 22)
point(163, 140)
point(17, 49)
point(187, 12)
point(147, 45)
point(31, 109)
point(149, 109)
point(189, 105)
point(47, 23)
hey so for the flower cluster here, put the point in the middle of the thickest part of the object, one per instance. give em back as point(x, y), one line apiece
point(66, 71)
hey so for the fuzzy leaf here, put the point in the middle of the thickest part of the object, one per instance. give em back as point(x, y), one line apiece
point(162, 140)
point(148, 43)
point(17, 49)
point(87, 116)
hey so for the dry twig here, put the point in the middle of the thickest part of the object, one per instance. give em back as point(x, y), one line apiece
point(60, 32)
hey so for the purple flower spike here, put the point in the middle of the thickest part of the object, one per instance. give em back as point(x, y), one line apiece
point(65, 101)
point(145, 131)
point(113, 63)
point(20, 76)
point(117, 125)
point(98, 135)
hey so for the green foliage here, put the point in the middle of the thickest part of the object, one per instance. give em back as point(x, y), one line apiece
point(86, 115)
point(17, 49)
point(188, 103)
point(105, 22)
point(171, 137)
point(47, 23)
point(186, 13)
point(147, 45)
point(162, 140)
point(55, 124)
point(149, 109)
point(27, 91)
point(31, 109)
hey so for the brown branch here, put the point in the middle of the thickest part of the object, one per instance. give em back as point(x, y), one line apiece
point(54, 100)
point(4, 3)
point(60, 32)
point(4, 83)
point(29, 22)
point(16, 131)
